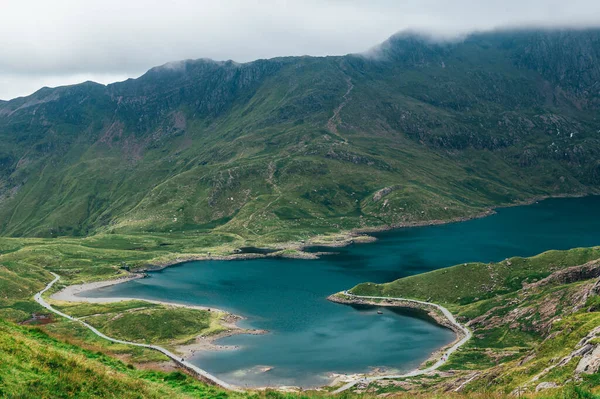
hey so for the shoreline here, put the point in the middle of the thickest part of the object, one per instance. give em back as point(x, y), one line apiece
point(436, 318)
point(438, 313)
point(488, 211)
point(180, 362)
point(341, 239)
point(70, 293)
point(76, 294)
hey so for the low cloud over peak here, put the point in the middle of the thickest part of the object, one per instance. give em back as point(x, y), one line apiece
point(65, 41)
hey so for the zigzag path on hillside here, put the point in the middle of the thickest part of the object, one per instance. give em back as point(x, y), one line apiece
point(198, 372)
point(441, 361)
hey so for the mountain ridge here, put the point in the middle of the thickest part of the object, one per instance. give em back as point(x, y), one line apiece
point(458, 126)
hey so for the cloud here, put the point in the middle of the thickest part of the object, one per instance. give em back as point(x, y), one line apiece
point(55, 42)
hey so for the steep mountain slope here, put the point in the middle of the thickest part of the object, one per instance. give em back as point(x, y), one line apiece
point(289, 147)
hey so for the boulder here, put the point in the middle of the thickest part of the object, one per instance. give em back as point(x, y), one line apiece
point(546, 385)
point(590, 362)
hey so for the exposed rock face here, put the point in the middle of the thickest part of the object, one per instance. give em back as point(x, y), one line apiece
point(571, 274)
point(384, 191)
point(590, 362)
point(539, 316)
point(586, 349)
point(590, 352)
point(546, 385)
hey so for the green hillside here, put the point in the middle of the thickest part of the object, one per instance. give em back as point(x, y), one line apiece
point(55, 369)
point(534, 321)
point(198, 158)
point(290, 147)
point(526, 314)
point(35, 365)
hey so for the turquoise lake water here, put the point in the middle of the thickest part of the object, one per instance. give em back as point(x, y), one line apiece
point(311, 337)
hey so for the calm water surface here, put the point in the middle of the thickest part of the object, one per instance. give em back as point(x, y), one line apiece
point(309, 336)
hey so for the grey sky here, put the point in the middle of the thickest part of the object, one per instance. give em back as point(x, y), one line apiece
point(50, 43)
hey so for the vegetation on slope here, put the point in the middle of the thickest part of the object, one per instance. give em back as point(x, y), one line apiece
point(34, 365)
point(428, 131)
point(535, 321)
point(24, 261)
point(147, 323)
point(471, 282)
point(510, 323)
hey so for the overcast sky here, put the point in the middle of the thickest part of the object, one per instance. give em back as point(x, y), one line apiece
point(57, 42)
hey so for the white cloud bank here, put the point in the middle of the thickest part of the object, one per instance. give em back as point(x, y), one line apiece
point(49, 43)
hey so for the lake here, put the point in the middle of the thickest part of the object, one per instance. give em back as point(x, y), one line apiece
point(311, 337)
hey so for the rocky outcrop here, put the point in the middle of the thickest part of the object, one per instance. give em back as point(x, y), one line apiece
point(384, 191)
point(587, 349)
point(570, 275)
point(527, 313)
point(596, 288)
point(546, 385)
point(590, 352)
point(396, 303)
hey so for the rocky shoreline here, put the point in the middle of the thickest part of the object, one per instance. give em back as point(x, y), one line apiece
point(342, 239)
point(431, 311)
point(208, 343)
point(487, 212)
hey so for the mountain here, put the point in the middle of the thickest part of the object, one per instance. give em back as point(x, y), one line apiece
point(412, 131)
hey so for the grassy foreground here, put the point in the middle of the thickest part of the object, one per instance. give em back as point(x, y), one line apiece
point(526, 316)
point(35, 365)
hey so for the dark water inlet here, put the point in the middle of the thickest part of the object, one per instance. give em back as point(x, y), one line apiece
point(309, 336)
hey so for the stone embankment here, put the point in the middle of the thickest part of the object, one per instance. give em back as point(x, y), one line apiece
point(428, 308)
point(439, 313)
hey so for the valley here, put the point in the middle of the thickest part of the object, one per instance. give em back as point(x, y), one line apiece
point(205, 282)
point(461, 173)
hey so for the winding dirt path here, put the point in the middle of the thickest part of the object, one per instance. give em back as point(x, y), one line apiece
point(207, 377)
point(467, 335)
point(201, 374)
point(336, 119)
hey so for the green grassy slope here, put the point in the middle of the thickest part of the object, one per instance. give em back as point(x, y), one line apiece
point(24, 261)
point(529, 316)
point(144, 322)
point(254, 150)
point(518, 332)
point(472, 282)
point(34, 365)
